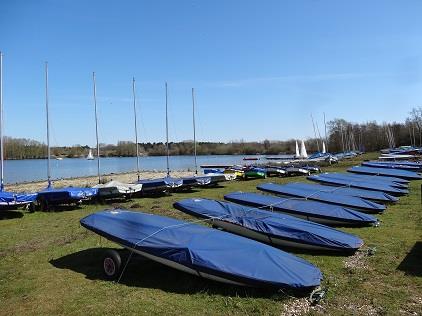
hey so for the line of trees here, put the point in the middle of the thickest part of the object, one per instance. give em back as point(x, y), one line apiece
point(371, 136)
point(342, 136)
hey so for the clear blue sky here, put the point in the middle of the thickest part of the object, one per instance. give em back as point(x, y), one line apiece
point(260, 68)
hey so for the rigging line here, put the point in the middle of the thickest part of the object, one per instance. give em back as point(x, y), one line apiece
point(167, 134)
point(160, 230)
point(96, 126)
point(48, 126)
point(136, 129)
point(1, 126)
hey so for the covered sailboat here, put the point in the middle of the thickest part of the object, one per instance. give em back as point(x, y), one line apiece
point(326, 197)
point(210, 179)
point(203, 251)
point(377, 196)
point(270, 227)
point(112, 189)
point(359, 183)
point(58, 196)
point(167, 183)
point(392, 181)
point(404, 174)
point(415, 167)
point(319, 212)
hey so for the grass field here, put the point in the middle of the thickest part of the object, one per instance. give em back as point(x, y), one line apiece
point(50, 265)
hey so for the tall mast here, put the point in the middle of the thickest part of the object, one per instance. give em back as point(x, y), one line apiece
point(136, 129)
point(316, 137)
point(96, 128)
point(1, 122)
point(194, 129)
point(167, 135)
point(48, 126)
point(326, 139)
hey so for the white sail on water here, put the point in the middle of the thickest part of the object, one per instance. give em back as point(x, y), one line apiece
point(90, 155)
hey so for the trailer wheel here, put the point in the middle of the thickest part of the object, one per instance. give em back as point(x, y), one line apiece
point(42, 204)
point(112, 264)
point(31, 208)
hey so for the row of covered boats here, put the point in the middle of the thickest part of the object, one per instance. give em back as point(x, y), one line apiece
point(255, 230)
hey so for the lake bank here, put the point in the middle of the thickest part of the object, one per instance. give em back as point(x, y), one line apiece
point(21, 171)
point(89, 181)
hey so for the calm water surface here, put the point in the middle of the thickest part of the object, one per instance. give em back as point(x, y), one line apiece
point(17, 171)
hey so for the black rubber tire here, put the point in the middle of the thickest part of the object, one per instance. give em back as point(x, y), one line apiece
point(32, 208)
point(112, 264)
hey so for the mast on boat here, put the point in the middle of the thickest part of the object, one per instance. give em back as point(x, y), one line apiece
point(136, 129)
point(48, 126)
point(325, 129)
point(194, 130)
point(96, 128)
point(167, 135)
point(1, 122)
point(316, 137)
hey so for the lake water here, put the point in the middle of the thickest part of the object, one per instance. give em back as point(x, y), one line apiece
point(17, 171)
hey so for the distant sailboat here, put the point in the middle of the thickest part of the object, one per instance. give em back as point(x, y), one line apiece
point(303, 153)
point(323, 148)
point(297, 154)
point(90, 155)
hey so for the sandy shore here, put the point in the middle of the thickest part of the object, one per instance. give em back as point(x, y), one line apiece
point(91, 181)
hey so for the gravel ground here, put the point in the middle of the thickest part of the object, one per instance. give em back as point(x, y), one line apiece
point(91, 181)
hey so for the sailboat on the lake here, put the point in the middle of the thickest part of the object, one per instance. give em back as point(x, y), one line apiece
point(90, 155)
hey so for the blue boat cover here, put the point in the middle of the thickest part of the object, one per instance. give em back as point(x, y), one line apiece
point(392, 181)
point(360, 184)
point(67, 194)
point(391, 165)
point(196, 180)
point(404, 174)
point(24, 198)
point(206, 171)
point(348, 201)
point(364, 194)
point(274, 225)
point(400, 162)
point(7, 197)
point(160, 183)
point(204, 249)
point(11, 198)
point(302, 208)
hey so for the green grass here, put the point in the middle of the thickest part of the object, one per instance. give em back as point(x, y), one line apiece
point(49, 265)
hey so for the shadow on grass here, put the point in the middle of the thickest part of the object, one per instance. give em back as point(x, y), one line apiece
point(144, 273)
point(9, 214)
point(214, 186)
point(61, 208)
point(412, 263)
